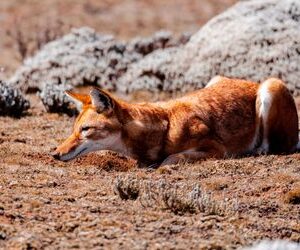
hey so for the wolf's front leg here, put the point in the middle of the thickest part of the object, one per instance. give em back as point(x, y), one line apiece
point(185, 157)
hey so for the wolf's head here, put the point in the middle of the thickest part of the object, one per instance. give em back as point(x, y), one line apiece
point(96, 127)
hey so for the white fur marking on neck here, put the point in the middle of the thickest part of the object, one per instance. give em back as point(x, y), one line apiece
point(112, 142)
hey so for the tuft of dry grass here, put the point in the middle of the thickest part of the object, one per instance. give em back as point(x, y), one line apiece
point(127, 188)
point(176, 202)
point(178, 198)
point(206, 203)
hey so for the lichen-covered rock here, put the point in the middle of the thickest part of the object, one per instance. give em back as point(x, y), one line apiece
point(149, 73)
point(12, 102)
point(81, 57)
point(84, 57)
point(252, 40)
point(275, 245)
point(56, 101)
point(160, 40)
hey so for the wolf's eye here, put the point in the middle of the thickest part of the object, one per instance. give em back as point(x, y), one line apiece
point(85, 128)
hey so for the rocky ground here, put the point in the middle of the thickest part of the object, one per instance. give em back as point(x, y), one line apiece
point(106, 201)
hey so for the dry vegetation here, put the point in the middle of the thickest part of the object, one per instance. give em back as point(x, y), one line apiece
point(98, 200)
point(27, 24)
point(106, 201)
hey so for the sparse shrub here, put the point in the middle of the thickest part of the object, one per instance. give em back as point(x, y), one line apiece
point(178, 203)
point(127, 188)
point(84, 57)
point(206, 203)
point(56, 101)
point(12, 102)
point(174, 197)
point(178, 200)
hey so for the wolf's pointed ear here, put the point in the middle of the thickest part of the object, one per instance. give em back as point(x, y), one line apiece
point(79, 99)
point(102, 100)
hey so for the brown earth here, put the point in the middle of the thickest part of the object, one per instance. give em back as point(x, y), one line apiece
point(46, 203)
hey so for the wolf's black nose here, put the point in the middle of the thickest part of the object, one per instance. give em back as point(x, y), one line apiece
point(55, 155)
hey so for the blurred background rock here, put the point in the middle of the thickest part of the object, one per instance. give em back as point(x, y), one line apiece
point(27, 24)
point(153, 46)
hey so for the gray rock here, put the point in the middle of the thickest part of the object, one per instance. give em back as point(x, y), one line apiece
point(56, 101)
point(85, 57)
point(12, 102)
point(274, 245)
point(79, 58)
point(149, 73)
point(252, 40)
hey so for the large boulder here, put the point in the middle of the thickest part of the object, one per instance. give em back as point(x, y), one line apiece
point(12, 102)
point(252, 40)
point(150, 73)
point(85, 57)
point(274, 245)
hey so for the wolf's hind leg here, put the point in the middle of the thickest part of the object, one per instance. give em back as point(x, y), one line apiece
point(277, 113)
point(184, 157)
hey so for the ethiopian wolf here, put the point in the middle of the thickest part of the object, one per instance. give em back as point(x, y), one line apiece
point(228, 118)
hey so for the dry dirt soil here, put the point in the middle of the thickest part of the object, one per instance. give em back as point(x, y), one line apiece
point(105, 200)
